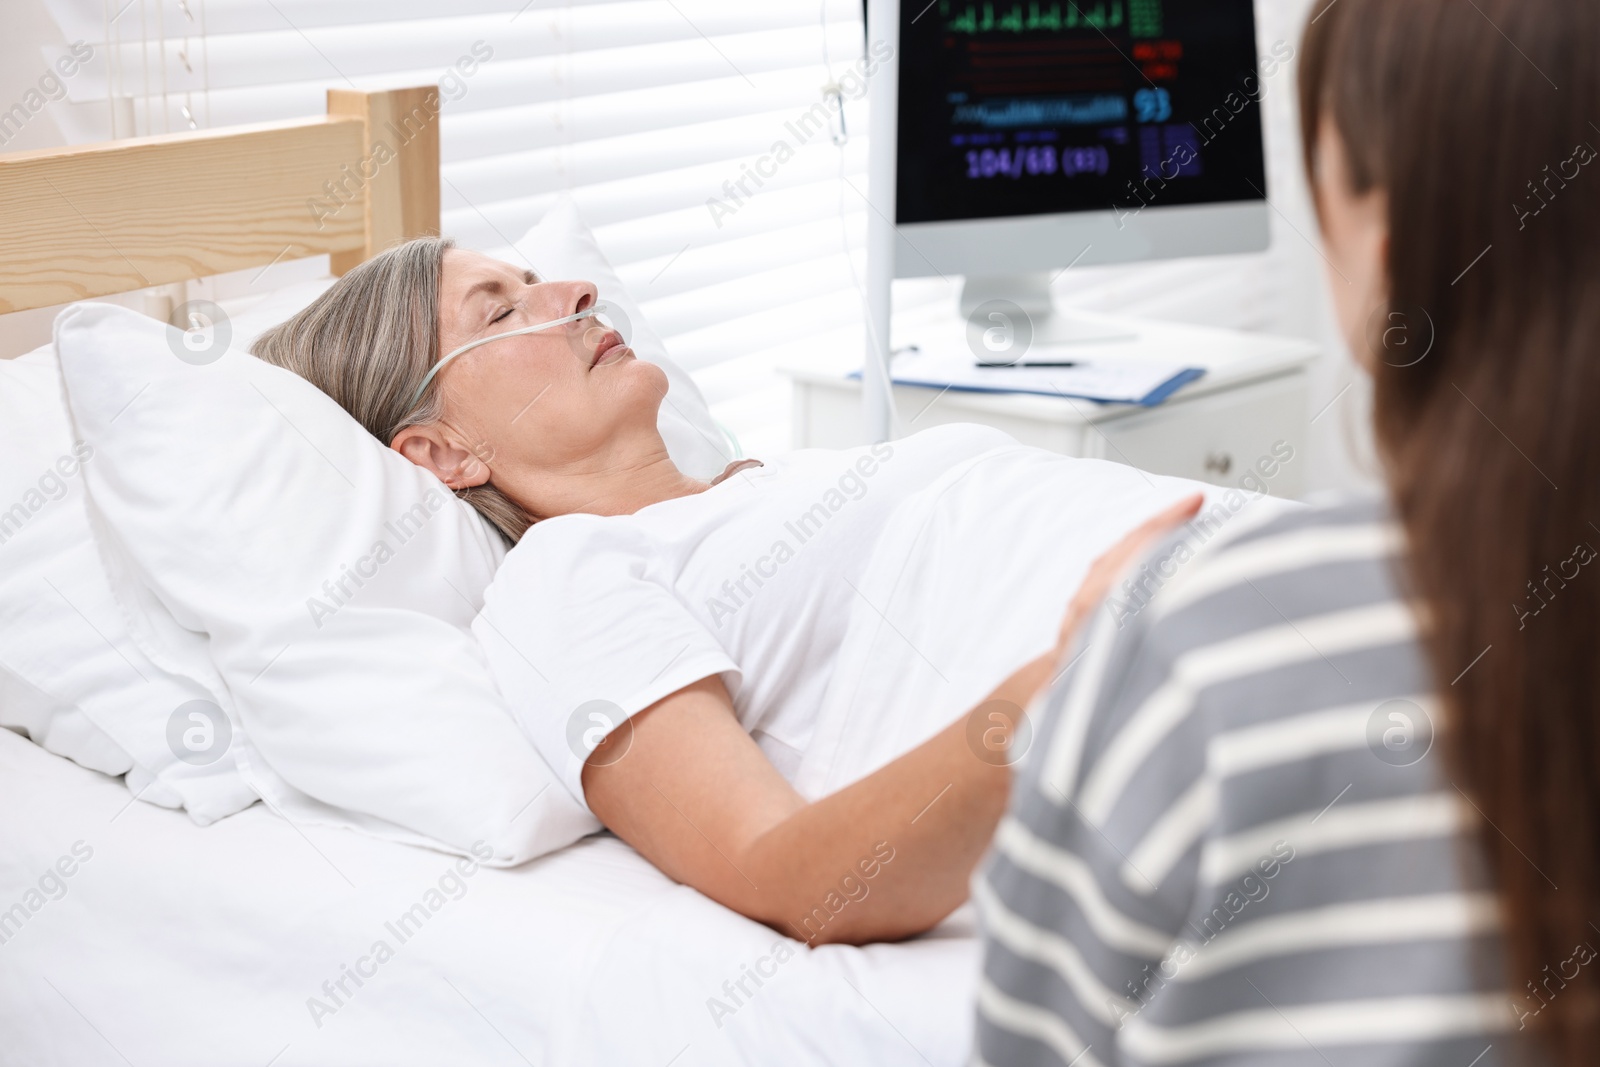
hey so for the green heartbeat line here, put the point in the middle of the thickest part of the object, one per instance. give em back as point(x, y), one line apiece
point(1102, 16)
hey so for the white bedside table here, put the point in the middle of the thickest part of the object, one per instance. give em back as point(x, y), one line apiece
point(1250, 407)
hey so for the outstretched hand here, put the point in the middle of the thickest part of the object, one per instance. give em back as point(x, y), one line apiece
point(1104, 571)
point(1029, 680)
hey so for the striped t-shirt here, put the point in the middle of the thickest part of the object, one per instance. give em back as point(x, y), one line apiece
point(1233, 840)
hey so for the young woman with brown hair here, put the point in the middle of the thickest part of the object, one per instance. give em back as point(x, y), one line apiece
point(1241, 841)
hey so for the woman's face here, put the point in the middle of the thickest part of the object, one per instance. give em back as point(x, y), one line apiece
point(568, 399)
point(1355, 238)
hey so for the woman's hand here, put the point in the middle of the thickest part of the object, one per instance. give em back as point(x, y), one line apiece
point(1006, 706)
point(1105, 571)
point(1029, 680)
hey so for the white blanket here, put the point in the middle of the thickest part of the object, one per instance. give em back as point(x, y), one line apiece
point(968, 582)
point(173, 945)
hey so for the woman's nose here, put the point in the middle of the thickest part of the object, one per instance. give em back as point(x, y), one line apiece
point(579, 296)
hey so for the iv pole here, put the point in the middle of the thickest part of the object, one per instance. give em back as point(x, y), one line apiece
point(877, 400)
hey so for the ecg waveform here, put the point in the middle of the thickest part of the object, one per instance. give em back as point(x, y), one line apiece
point(1066, 111)
point(982, 18)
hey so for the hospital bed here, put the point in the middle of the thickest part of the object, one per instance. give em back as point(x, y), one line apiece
point(255, 940)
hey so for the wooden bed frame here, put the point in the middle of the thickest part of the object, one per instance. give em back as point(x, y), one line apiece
point(93, 220)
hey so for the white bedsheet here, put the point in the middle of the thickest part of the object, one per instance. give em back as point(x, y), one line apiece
point(174, 945)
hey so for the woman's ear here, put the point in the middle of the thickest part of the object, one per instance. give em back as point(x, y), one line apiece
point(433, 448)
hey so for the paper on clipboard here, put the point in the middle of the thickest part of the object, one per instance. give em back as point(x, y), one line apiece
point(1114, 380)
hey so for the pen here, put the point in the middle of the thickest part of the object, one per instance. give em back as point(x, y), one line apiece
point(1046, 363)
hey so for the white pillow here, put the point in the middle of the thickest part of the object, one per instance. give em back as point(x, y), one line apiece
point(561, 247)
point(334, 580)
point(73, 676)
point(53, 652)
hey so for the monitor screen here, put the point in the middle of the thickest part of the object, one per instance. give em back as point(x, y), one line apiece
point(1027, 108)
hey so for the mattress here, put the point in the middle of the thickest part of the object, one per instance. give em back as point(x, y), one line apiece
point(130, 935)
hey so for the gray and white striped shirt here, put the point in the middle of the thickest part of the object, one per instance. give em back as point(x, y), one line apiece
point(1233, 840)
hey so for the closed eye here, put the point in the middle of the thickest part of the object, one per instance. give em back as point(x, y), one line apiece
point(503, 315)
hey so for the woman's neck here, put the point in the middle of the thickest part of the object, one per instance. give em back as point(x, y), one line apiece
point(617, 486)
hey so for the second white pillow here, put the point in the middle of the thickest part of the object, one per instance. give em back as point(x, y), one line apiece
point(333, 580)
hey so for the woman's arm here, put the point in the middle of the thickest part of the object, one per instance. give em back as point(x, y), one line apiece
point(879, 860)
point(882, 859)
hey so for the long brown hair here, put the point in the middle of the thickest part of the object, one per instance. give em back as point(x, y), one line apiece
point(1475, 119)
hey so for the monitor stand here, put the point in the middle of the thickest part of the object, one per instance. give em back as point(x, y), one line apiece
point(1031, 294)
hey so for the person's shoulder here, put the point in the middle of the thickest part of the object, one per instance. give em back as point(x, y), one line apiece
point(1326, 512)
point(1295, 539)
point(567, 547)
point(1287, 563)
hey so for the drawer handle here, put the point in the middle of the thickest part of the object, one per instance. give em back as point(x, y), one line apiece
point(1218, 463)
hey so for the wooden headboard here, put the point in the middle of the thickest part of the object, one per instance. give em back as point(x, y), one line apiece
point(92, 220)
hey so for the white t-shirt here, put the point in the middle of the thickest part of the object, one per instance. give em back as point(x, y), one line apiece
point(592, 618)
point(853, 601)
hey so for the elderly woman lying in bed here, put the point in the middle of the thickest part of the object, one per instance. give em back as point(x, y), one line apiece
point(717, 621)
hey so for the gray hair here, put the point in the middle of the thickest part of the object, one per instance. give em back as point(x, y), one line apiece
point(369, 341)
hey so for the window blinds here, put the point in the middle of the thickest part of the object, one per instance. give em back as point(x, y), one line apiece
point(653, 114)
